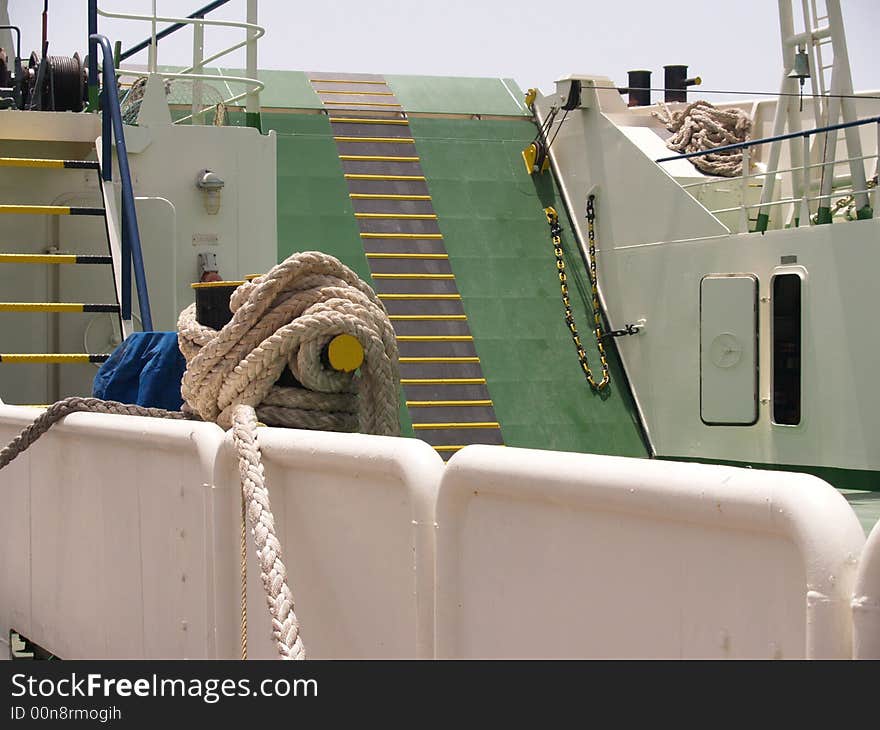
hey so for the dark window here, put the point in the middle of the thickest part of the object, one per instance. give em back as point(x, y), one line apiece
point(787, 349)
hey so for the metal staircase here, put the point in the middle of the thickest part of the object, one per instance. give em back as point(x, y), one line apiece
point(118, 213)
point(57, 259)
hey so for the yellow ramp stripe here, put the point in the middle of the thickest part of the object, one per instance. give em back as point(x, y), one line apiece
point(24, 258)
point(359, 176)
point(363, 103)
point(386, 196)
point(435, 338)
point(398, 216)
point(378, 158)
point(368, 120)
point(444, 403)
point(389, 140)
point(432, 236)
point(414, 317)
point(406, 256)
point(414, 276)
point(354, 93)
point(346, 81)
point(30, 162)
point(476, 424)
point(448, 448)
point(439, 359)
point(419, 296)
point(36, 209)
point(443, 381)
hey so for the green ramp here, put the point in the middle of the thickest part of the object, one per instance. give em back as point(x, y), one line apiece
point(491, 215)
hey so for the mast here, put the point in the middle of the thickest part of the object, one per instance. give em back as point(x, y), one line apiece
point(831, 108)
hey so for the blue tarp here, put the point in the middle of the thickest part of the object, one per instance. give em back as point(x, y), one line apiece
point(146, 370)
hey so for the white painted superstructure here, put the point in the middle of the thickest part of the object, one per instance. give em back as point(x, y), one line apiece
point(657, 244)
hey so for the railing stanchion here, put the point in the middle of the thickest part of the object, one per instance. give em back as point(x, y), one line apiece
point(154, 43)
point(744, 212)
point(804, 219)
point(877, 171)
point(93, 56)
point(252, 105)
point(198, 55)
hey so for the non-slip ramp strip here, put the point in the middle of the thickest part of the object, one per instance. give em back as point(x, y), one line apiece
point(446, 393)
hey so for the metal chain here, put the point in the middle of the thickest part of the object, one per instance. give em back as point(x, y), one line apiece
point(556, 235)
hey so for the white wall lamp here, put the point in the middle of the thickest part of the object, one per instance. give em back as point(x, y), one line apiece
point(210, 183)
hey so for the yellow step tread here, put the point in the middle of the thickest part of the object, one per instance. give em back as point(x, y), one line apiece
point(443, 381)
point(454, 425)
point(450, 359)
point(431, 277)
point(446, 403)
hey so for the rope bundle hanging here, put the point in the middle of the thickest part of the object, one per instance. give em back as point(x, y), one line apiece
point(282, 319)
point(701, 126)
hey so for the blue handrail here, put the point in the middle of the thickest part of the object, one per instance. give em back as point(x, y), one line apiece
point(111, 127)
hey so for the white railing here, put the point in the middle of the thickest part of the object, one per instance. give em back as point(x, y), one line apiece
point(396, 555)
point(799, 209)
point(193, 73)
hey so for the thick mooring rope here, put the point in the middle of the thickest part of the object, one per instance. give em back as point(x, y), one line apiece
point(62, 408)
point(701, 126)
point(283, 319)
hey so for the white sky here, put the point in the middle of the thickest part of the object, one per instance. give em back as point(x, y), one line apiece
point(732, 45)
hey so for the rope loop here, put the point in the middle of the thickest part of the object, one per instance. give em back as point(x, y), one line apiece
point(701, 126)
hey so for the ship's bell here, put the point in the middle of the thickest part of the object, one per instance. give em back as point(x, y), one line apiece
point(801, 68)
point(800, 71)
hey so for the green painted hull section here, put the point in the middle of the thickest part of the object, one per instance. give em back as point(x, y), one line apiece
point(858, 479)
point(861, 488)
point(491, 216)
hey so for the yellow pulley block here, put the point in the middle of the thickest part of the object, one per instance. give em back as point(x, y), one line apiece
point(345, 353)
point(535, 158)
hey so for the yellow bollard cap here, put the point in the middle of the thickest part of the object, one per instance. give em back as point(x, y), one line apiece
point(345, 353)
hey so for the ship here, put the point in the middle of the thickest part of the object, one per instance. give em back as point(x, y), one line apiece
point(633, 339)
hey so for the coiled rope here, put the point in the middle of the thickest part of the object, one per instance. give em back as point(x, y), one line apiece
point(283, 319)
point(701, 126)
